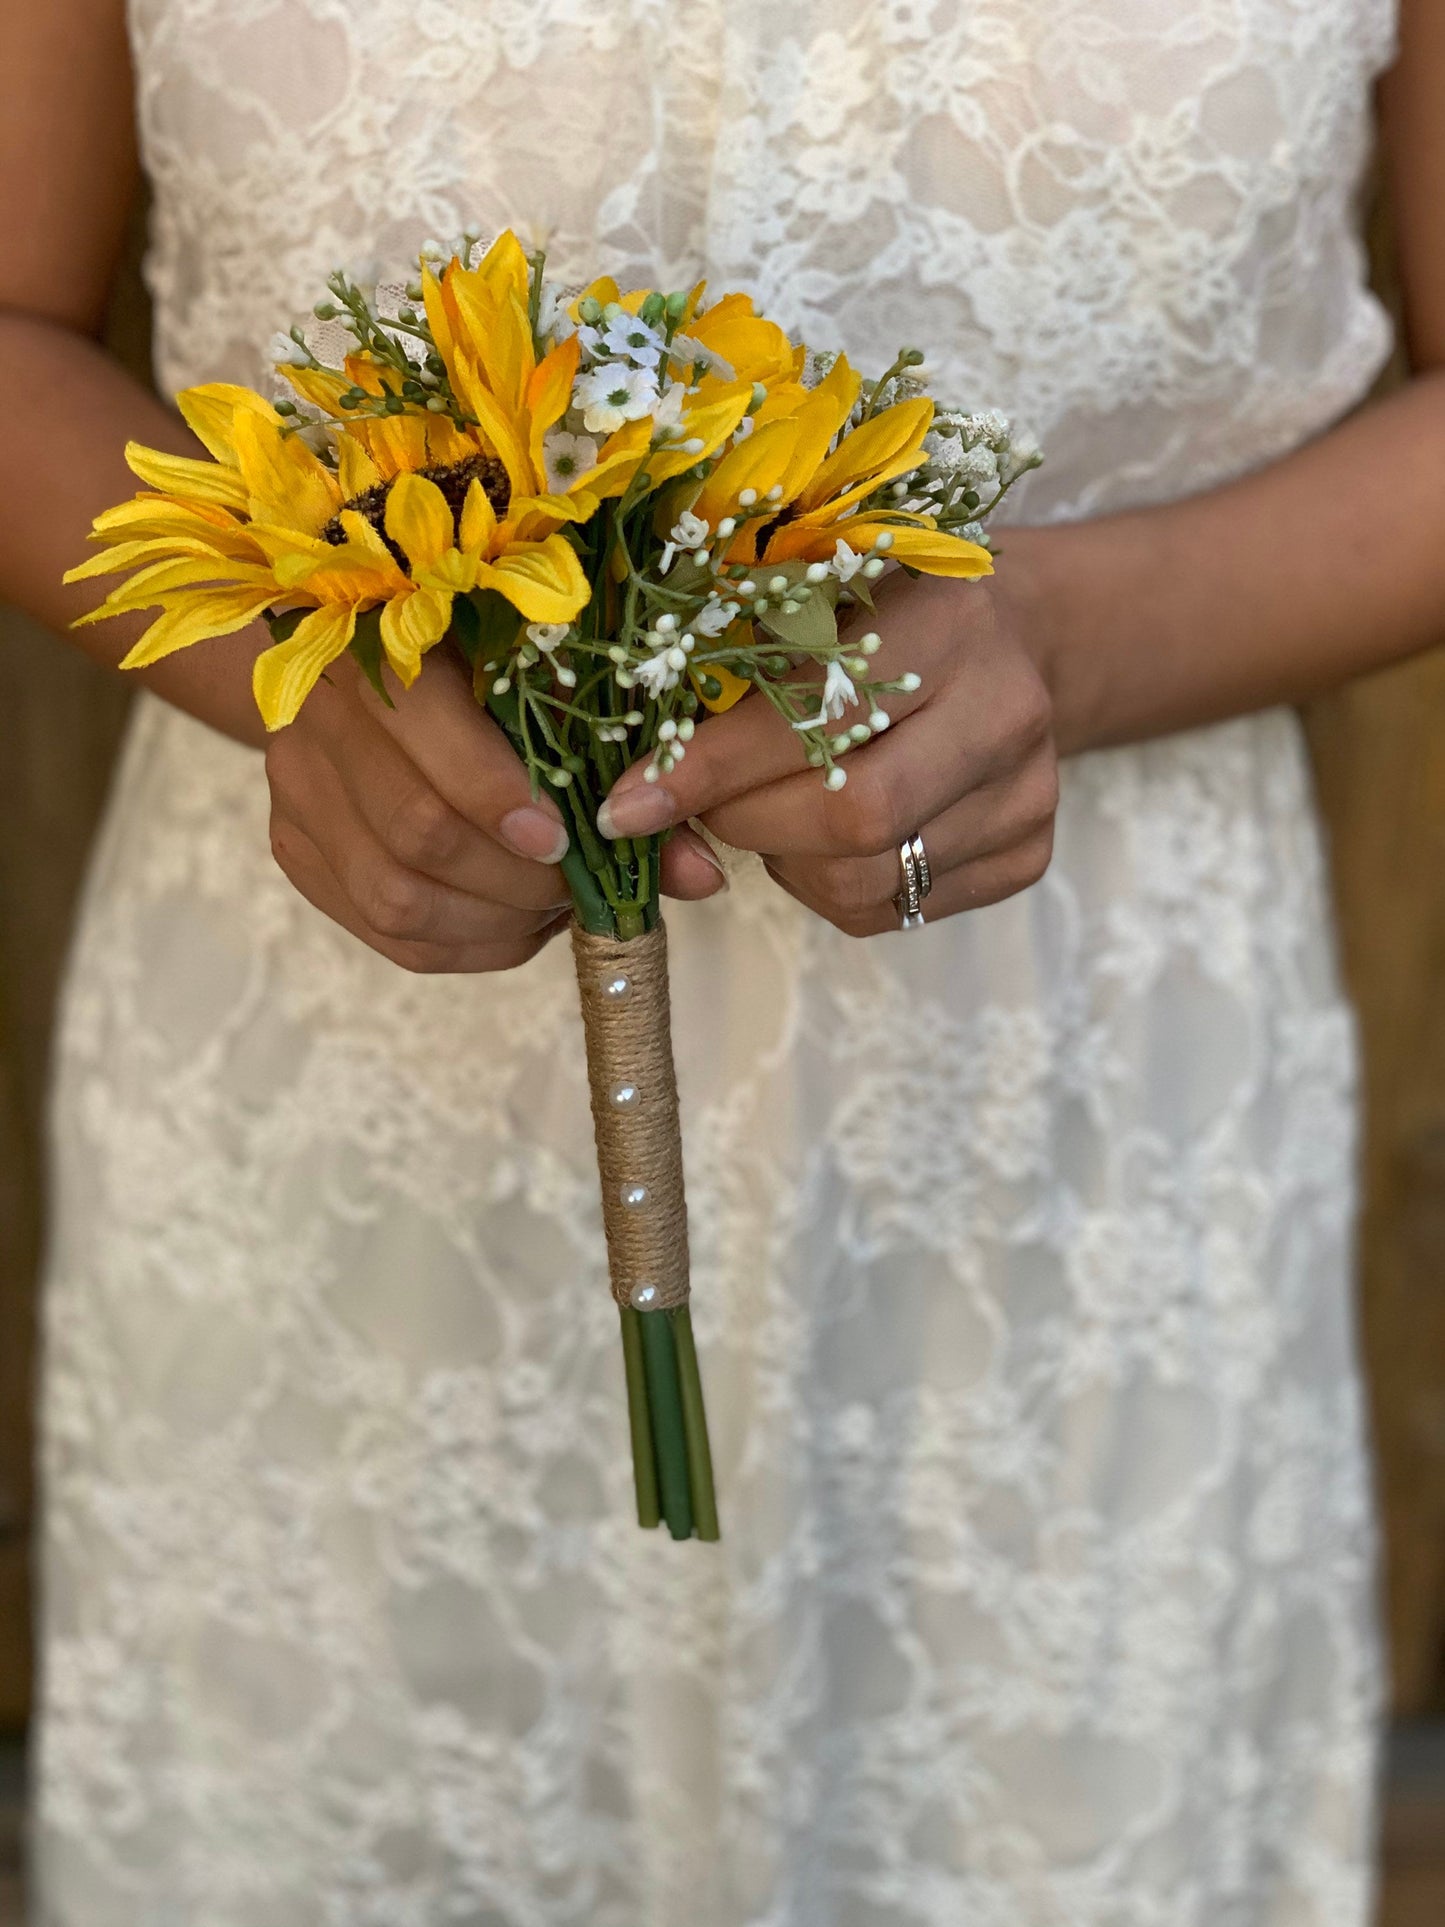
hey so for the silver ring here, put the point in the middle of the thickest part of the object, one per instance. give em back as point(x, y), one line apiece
point(917, 881)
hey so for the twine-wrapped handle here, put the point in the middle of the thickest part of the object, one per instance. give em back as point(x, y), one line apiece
point(627, 1017)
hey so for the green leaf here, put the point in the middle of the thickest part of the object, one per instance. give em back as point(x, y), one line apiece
point(812, 628)
point(284, 627)
point(467, 628)
point(366, 647)
point(498, 623)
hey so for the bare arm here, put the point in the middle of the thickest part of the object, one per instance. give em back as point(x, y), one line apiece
point(414, 829)
point(67, 176)
point(1320, 567)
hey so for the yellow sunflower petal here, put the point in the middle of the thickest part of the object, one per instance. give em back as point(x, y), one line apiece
point(544, 581)
point(159, 582)
point(711, 424)
point(183, 475)
point(867, 450)
point(549, 393)
point(758, 463)
point(197, 617)
point(287, 484)
point(355, 470)
point(757, 349)
point(419, 521)
point(285, 674)
point(210, 410)
point(820, 416)
point(412, 624)
point(479, 521)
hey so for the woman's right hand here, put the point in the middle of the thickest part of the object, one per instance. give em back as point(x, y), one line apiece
point(415, 827)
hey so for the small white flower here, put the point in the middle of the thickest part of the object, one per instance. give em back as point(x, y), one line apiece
point(546, 635)
point(552, 316)
point(613, 394)
point(717, 616)
point(846, 562)
point(657, 674)
point(566, 457)
point(689, 531)
point(838, 692)
point(693, 354)
point(630, 339)
point(667, 416)
point(283, 349)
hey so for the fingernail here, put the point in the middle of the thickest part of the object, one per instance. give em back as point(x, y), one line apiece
point(533, 833)
point(638, 812)
point(706, 850)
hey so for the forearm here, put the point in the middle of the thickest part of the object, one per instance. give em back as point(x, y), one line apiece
point(67, 421)
point(1321, 567)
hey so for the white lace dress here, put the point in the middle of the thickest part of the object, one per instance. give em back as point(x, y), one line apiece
point(1021, 1247)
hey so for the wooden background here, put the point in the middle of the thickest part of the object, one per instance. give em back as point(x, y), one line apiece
point(1380, 756)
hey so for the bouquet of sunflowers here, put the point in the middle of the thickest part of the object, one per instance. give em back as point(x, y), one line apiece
point(624, 511)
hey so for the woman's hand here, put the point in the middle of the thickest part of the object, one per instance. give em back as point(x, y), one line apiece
point(415, 827)
point(969, 764)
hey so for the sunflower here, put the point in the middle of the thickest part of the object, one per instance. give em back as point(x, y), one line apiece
point(827, 478)
point(266, 525)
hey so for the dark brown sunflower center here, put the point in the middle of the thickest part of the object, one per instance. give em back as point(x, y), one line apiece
point(453, 479)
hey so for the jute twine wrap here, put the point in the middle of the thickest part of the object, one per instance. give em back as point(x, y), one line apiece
point(629, 1041)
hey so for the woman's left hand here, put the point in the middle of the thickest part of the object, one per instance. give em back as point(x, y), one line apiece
point(969, 765)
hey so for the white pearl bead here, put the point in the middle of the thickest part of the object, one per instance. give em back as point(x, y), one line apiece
point(617, 989)
point(642, 1297)
point(634, 1196)
point(625, 1097)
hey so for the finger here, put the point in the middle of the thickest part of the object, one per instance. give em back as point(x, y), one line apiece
point(748, 747)
point(690, 871)
point(306, 869)
point(994, 818)
point(390, 898)
point(456, 745)
point(412, 821)
point(970, 887)
point(898, 781)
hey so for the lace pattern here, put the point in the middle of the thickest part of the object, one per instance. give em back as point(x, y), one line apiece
point(1021, 1248)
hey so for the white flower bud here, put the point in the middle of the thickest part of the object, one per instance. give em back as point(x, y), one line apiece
point(817, 572)
point(667, 730)
point(501, 685)
point(686, 729)
point(860, 732)
point(779, 585)
point(747, 498)
point(874, 567)
point(910, 682)
point(677, 659)
point(651, 773)
point(871, 643)
point(835, 779)
point(883, 539)
point(726, 527)
point(666, 624)
point(878, 720)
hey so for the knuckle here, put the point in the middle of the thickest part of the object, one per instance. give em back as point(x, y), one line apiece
point(844, 885)
point(1042, 792)
point(421, 828)
point(866, 814)
point(391, 901)
point(1036, 856)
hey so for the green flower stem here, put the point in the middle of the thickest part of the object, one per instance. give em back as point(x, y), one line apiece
point(644, 1465)
point(669, 1439)
point(694, 1425)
